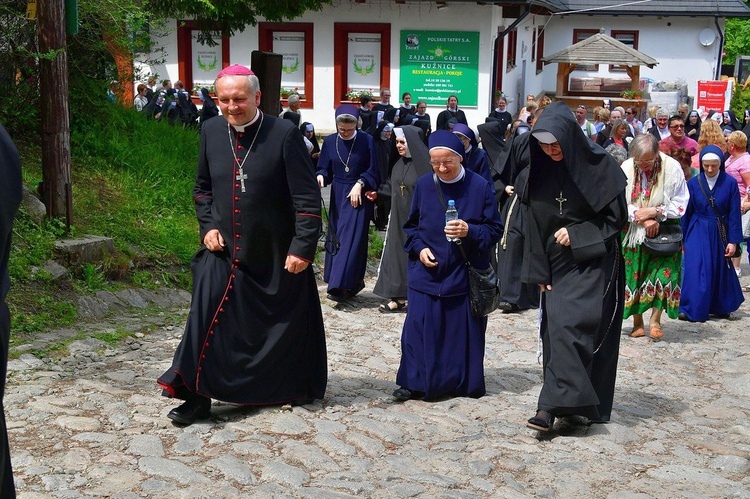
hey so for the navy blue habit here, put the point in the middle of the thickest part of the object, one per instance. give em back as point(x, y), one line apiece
point(347, 238)
point(709, 282)
point(442, 343)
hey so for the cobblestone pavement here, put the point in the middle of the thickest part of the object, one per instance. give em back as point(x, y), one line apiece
point(93, 423)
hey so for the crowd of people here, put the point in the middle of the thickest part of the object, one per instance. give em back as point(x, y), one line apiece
point(592, 222)
point(583, 209)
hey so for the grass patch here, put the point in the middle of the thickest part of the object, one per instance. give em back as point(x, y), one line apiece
point(132, 181)
point(32, 310)
point(375, 246)
point(112, 338)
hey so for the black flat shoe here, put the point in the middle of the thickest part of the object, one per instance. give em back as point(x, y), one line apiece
point(191, 411)
point(682, 316)
point(336, 297)
point(505, 306)
point(406, 394)
point(543, 421)
point(722, 316)
point(307, 401)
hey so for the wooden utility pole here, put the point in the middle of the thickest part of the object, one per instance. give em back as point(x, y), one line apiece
point(53, 79)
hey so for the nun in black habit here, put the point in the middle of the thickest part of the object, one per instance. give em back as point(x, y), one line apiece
point(492, 137)
point(507, 172)
point(383, 145)
point(575, 198)
point(308, 130)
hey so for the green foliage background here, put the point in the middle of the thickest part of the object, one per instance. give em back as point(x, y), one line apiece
point(737, 38)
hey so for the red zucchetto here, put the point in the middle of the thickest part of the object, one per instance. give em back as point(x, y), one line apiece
point(235, 70)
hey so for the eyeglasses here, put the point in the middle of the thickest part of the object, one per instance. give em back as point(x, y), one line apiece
point(677, 127)
point(581, 106)
point(644, 162)
point(438, 164)
point(629, 112)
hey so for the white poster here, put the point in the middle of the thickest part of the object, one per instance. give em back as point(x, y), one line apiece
point(206, 60)
point(291, 46)
point(364, 62)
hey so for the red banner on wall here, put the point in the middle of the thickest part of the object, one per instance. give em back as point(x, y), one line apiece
point(712, 94)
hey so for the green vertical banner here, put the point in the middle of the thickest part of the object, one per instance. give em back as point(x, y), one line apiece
point(436, 64)
point(71, 17)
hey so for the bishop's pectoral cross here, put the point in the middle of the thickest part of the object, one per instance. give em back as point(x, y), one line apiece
point(560, 199)
point(402, 187)
point(241, 176)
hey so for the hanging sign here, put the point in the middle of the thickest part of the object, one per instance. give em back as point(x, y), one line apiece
point(291, 46)
point(437, 64)
point(363, 72)
point(712, 94)
point(206, 59)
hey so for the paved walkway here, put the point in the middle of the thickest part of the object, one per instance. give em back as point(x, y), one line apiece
point(93, 423)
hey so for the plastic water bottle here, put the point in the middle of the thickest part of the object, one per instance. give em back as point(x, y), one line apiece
point(451, 214)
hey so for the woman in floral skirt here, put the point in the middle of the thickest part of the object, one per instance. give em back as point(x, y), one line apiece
point(657, 195)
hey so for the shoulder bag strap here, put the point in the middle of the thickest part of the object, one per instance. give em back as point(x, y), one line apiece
point(710, 202)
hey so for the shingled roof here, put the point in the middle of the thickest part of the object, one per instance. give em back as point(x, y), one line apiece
point(720, 8)
point(675, 8)
point(599, 49)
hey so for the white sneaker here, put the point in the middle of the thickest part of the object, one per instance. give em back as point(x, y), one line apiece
point(738, 271)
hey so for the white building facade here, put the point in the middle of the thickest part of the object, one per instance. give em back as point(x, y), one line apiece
point(433, 49)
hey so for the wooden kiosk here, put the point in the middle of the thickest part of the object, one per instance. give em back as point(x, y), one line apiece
point(599, 49)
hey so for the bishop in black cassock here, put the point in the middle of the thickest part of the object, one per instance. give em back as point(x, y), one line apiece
point(10, 198)
point(255, 330)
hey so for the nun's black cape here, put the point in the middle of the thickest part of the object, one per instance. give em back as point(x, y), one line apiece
point(391, 281)
point(314, 140)
point(366, 115)
point(733, 125)
point(255, 331)
point(10, 198)
point(689, 128)
point(209, 109)
point(383, 152)
point(508, 260)
point(582, 314)
point(502, 117)
point(492, 135)
point(295, 118)
point(445, 116)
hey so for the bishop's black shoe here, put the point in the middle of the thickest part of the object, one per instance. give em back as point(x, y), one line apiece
point(191, 411)
point(300, 402)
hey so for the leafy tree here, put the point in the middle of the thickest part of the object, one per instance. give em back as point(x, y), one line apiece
point(737, 38)
point(231, 16)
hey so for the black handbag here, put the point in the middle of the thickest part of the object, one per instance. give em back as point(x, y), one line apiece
point(484, 292)
point(484, 289)
point(666, 243)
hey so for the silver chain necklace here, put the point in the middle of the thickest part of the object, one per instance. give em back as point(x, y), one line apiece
point(346, 164)
point(241, 175)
